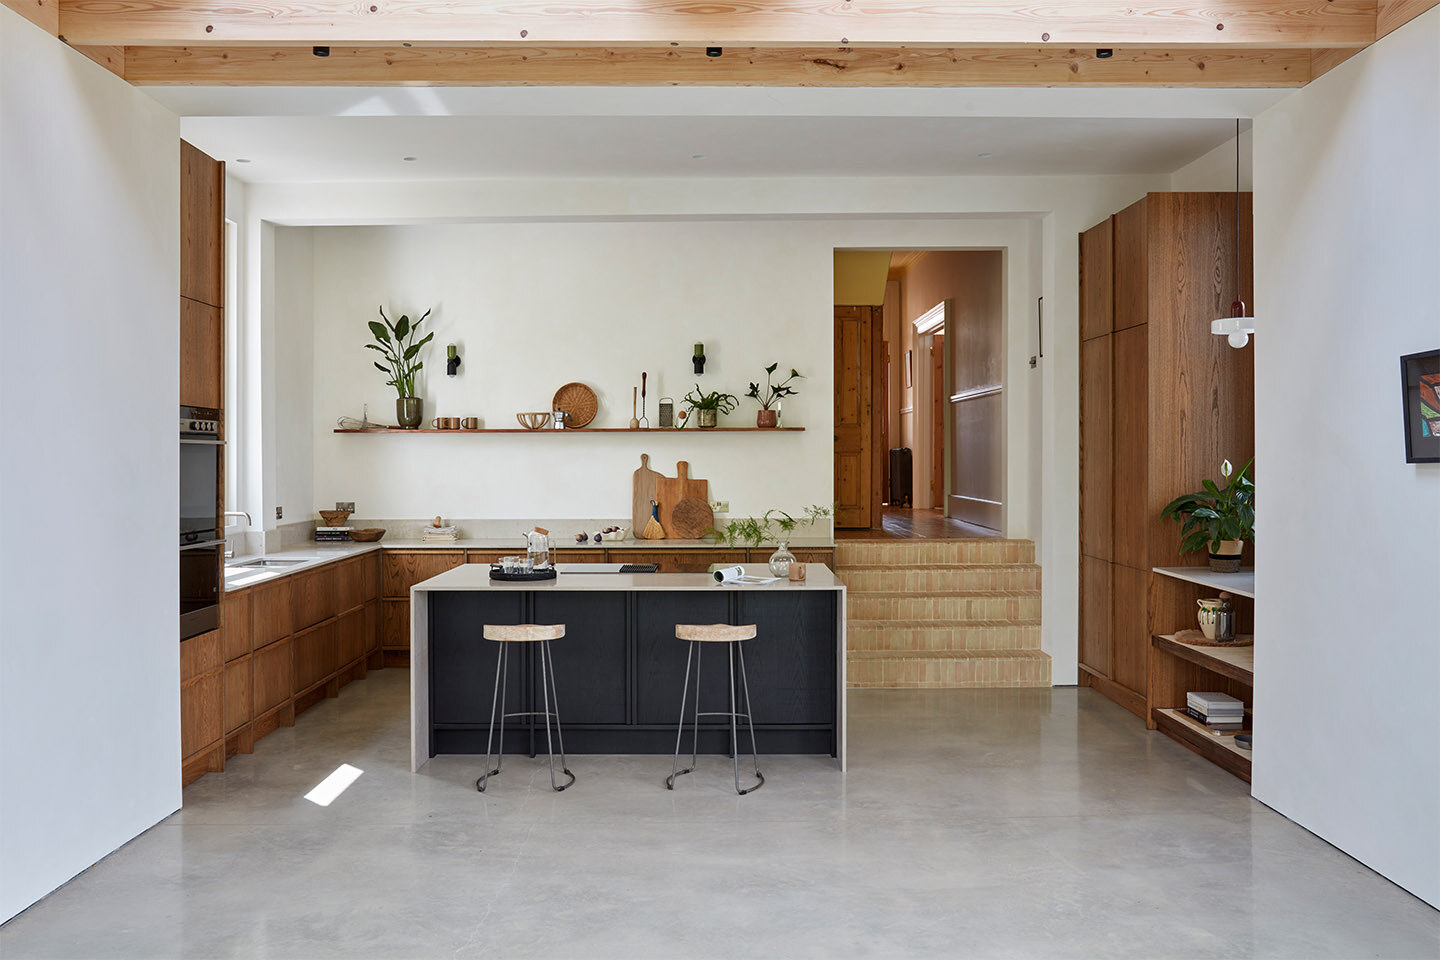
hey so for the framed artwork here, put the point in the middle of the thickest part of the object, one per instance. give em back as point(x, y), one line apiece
point(1420, 381)
point(909, 367)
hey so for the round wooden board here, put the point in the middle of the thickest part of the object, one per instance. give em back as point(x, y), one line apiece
point(690, 519)
point(579, 403)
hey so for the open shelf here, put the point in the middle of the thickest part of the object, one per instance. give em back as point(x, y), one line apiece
point(1241, 584)
point(1237, 663)
point(581, 431)
point(1219, 749)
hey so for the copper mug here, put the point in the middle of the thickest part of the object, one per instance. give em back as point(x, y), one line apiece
point(446, 423)
point(797, 571)
point(470, 423)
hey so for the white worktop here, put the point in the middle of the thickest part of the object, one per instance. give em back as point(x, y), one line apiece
point(310, 556)
point(476, 576)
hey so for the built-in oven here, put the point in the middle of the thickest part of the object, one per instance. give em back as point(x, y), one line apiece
point(202, 538)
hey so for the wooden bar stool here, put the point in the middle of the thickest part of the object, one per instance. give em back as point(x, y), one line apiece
point(731, 636)
point(505, 635)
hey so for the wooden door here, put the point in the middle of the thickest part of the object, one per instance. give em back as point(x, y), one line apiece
point(938, 396)
point(1097, 448)
point(1130, 476)
point(1097, 280)
point(886, 441)
point(854, 384)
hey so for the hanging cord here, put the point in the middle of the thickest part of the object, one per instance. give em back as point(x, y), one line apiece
point(1238, 301)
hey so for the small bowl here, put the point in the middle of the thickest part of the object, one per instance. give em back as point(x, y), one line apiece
point(334, 518)
point(368, 535)
point(533, 421)
point(1243, 740)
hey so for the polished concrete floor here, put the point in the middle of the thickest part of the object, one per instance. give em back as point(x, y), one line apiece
point(973, 823)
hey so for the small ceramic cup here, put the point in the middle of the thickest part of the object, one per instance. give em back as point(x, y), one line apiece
point(470, 423)
point(797, 570)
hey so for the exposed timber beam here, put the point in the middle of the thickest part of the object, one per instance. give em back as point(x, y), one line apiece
point(736, 23)
point(761, 66)
point(45, 14)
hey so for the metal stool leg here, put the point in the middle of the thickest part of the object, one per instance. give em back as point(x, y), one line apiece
point(497, 701)
point(734, 752)
point(675, 770)
point(750, 719)
point(546, 657)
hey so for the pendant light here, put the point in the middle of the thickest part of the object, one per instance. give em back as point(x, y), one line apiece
point(1238, 326)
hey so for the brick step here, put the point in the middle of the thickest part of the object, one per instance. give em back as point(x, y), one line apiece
point(942, 635)
point(932, 578)
point(977, 668)
point(952, 552)
point(949, 605)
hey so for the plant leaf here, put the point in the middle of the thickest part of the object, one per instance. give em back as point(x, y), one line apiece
point(380, 332)
point(402, 327)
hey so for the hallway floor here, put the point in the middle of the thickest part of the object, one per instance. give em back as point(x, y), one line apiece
point(974, 823)
point(904, 523)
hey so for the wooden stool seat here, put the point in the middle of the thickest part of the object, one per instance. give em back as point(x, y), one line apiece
point(525, 632)
point(714, 632)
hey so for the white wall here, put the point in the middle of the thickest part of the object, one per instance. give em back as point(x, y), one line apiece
point(1347, 240)
point(1215, 171)
point(89, 657)
point(293, 338)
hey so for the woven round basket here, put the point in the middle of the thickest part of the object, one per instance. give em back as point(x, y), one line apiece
point(579, 403)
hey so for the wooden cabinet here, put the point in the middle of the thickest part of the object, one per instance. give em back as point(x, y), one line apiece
point(350, 633)
point(237, 624)
point(395, 616)
point(202, 721)
point(372, 626)
point(1162, 402)
point(690, 560)
point(405, 568)
point(202, 227)
point(312, 597)
point(316, 655)
point(201, 339)
point(271, 611)
point(239, 691)
point(273, 677)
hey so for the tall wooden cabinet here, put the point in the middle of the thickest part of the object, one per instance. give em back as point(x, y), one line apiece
point(1162, 402)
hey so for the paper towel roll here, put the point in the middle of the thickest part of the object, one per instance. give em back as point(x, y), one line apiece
point(728, 574)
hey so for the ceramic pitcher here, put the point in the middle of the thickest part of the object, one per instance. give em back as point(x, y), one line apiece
point(1208, 609)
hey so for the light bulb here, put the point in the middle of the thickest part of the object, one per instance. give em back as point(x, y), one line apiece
point(1239, 339)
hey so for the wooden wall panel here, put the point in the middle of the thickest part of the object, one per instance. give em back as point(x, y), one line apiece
point(1131, 266)
point(271, 611)
point(237, 624)
point(1131, 448)
point(202, 227)
point(405, 569)
point(273, 676)
point(1095, 626)
point(1097, 280)
point(239, 693)
point(1130, 649)
point(1097, 448)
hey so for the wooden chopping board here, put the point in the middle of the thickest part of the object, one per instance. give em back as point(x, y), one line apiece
point(644, 492)
point(690, 519)
point(671, 490)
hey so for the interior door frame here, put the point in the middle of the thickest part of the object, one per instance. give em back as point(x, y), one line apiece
point(935, 320)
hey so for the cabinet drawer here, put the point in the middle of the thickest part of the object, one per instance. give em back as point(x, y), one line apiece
point(316, 655)
point(270, 606)
point(200, 655)
point(272, 678)
point(370, 576)
point(236, 624)
point(349, 584)
point(239, 692)
point(396, 618)
point(201, 719)
point(490, 556)
point(404, 570)
point(350, 630)
point(685, 561)
point(372, 626)
point(312, 597)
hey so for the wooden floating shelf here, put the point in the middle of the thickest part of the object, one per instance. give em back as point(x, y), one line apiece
point(1219, 749)
point(1237, 663)
point(581, 431)
point(1241, 584)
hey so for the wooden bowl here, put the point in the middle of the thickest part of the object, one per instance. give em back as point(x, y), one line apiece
point(533, 421)
point(368, 535)
point(335, 518)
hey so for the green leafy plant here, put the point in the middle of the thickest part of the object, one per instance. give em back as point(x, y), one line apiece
point(698, 399)
point(396, 342)
point(754, 531)
point(1213, 514)
point(773, 392)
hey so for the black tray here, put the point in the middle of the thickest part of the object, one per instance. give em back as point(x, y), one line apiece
point(498, 574)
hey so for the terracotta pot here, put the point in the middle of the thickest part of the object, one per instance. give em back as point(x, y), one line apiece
point(766, 418)
point(409, 411)
point(1226, 557)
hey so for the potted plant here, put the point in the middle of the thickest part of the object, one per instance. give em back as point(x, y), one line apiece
point(710, 405)
point(754, 531)
point(396, 342)
point(767, 415)
point(1218, 519)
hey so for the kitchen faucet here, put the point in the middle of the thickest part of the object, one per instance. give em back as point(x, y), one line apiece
point(248, 522)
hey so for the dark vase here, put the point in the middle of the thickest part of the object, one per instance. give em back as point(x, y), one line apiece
point(408, 410)
point(766, 418)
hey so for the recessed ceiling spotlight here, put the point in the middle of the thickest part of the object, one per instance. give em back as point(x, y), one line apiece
point(697, 156)
point(242, 160)
point(408, 159)
point(320, 51)
point(984, 156)
point(1104, 53)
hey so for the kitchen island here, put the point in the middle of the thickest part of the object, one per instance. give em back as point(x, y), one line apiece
point(619, 669)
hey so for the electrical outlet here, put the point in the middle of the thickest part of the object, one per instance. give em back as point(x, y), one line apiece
point(279, 513)
point(720, 506)
point(345, 505)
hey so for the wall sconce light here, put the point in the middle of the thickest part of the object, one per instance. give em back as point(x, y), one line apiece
point(452, 360)
point(699, 358)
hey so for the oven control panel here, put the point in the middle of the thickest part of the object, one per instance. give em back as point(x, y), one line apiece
point(199, 422)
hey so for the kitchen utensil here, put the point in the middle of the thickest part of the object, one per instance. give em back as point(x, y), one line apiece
point(533, 421)
point(667, 412)
point(644, 493)
point(537, 547)
point(334, 518)
point(557, 419)
point(653, 530)
point(470, 423)
point(690, 518)
point(579, 403)
point(644, 420)
point(368, 535)
point(670, 491)
point(634, 421)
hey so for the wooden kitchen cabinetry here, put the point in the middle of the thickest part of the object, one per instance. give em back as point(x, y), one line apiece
point(1162, 402)
point(283, 646)
point(202, 278)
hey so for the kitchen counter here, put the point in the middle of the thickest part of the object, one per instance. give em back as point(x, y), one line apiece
point(238, 576)
point(619, 668)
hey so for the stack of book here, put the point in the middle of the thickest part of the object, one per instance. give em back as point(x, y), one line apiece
point(439, 534)
point(1219, 711)
point(331, 534)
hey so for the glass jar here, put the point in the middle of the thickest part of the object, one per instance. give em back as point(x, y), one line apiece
point(780, 561)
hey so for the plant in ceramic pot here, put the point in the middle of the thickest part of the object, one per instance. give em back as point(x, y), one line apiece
point(770, 397)
point(708, 406)
point(397, 344)
point(1219, 519)
point(753, 531)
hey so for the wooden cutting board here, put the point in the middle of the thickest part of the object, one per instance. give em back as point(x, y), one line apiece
point(644, 492)
point(671, 490)
point(690, 519)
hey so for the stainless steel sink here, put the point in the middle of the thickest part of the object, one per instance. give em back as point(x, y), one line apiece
point(269, 563)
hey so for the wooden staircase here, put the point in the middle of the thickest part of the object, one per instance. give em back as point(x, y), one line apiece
point(942, 613)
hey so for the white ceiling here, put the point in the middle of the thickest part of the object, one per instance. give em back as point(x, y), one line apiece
point(313, 149)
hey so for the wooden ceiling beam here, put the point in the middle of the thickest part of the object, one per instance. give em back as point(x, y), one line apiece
point(736, 23)
point(761, 66)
